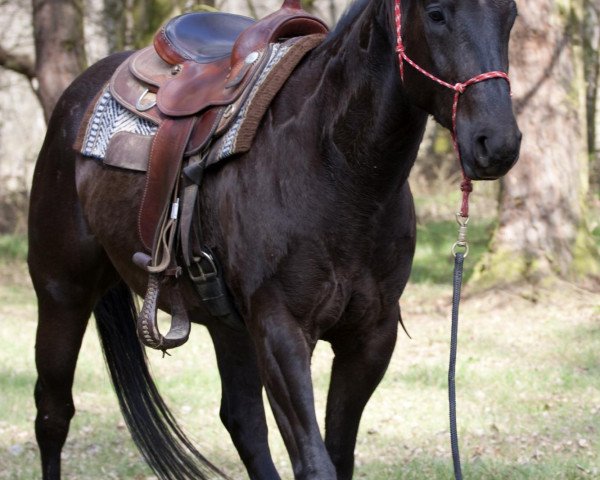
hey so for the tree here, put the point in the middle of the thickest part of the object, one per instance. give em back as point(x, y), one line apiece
point(59, 47)
point(543, 230)
point(59, 50)
point(591, 51)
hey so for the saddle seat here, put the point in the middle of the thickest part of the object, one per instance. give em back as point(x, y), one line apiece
point(203, 60)
point(211, 36)
point(201, 37)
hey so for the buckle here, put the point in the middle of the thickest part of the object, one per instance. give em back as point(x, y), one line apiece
point(197, 273)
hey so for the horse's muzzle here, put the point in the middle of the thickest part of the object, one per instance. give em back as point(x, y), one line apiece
point(492, 154)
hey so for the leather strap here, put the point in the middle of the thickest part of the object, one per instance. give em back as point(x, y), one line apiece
point(163, 170)
point(201, 263)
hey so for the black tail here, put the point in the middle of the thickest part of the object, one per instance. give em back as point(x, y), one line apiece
point(153, 428)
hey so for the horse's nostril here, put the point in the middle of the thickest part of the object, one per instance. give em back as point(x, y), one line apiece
point(482, 152)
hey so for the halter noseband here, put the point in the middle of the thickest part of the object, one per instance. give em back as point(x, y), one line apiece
point(459, 88)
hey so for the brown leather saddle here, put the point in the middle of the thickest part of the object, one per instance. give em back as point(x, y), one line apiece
point(192, 83)
point(200, 65)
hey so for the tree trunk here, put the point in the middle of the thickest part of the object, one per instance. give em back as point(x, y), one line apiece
point(542, 230)
point(115, 25)
point(591, 46)
point(59, 47)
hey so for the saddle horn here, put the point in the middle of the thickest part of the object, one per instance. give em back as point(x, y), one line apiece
point(295, 4)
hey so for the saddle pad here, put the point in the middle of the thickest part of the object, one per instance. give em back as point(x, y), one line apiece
point(283, 60)
point(110, 122)
point(108, 118)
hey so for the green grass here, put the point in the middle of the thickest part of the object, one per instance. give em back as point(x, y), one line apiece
point(528, 384)
point(13, 248)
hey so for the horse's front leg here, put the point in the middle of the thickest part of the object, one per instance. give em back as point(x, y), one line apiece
point(284, 363)
point(242, 409)
point(361, 359)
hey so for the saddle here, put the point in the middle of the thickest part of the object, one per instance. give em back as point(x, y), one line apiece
point(191, 84)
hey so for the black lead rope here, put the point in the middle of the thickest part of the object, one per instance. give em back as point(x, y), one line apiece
point(458, 273)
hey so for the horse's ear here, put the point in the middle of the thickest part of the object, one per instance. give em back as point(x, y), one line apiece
point(295, 4)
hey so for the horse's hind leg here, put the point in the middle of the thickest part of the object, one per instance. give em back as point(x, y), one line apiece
point(68, 269)
point(60, 330)
point(242, 409)
point(359, 364)
point(66, 296)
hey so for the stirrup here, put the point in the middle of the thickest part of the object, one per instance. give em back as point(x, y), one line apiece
point(147, 324)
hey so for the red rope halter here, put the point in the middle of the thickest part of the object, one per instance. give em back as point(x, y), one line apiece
point(466, 185)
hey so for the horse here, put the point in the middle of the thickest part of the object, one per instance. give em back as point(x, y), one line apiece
point(314, 226)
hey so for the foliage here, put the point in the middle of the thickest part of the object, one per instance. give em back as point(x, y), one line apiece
point(13, 248)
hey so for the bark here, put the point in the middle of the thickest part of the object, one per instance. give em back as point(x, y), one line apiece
point(59, 47)
point(591, 46)
point(542, 228)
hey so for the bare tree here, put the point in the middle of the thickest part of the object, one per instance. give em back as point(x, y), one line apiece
point(543, 229)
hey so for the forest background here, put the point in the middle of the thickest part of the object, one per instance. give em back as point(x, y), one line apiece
point(532, 315)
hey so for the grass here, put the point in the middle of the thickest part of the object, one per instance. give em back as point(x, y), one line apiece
point(528, 384)
point(13, 248)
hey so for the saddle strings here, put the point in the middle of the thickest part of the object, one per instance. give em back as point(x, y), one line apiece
point(466, 185)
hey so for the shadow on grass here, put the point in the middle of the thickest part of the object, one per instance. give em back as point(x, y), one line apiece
point(433, 261)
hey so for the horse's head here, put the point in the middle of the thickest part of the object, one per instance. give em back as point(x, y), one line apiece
point(457, 40)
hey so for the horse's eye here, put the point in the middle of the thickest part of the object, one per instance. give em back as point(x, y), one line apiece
point(436, 15)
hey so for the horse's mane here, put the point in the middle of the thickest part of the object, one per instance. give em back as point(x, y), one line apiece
point(347, 19)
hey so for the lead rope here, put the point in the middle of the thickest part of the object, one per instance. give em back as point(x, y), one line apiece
point(459, 257)
point(461, 248)
point(458, 271)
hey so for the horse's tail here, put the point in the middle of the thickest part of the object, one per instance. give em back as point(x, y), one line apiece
point(153, 428)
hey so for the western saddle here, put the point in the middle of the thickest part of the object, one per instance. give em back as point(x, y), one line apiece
point(192, 83)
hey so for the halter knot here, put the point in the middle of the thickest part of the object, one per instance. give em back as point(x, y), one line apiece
point(459, 87)
point(466, 185)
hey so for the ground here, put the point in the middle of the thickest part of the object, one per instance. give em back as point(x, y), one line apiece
point(528, 386)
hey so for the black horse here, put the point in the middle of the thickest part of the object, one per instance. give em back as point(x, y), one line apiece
point(315, 228)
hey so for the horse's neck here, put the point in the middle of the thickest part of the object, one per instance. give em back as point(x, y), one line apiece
point(368, 123)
